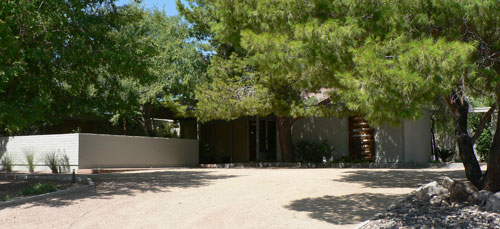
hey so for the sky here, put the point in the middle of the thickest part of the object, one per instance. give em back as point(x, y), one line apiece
point(167, 5)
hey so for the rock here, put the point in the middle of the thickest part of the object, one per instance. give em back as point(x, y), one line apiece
point(447, 182)
point(427, 191)
point(436, 200)
point(493, 203)
point(483, 197)
point(463, 191)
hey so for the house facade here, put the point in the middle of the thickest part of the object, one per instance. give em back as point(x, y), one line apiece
point(252, 139)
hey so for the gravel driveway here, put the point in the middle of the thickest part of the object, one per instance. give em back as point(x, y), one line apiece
point(227, 198)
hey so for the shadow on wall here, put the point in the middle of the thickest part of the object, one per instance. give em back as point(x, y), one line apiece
point(3, 145)
point(397, 178)
point(388, 144)
point(333, 130)
point(109, 185)
point(346, 209)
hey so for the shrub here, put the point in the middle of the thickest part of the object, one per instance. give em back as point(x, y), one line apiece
point(445, 154)
point(52, 162)
point(483, 144)
point(7, 163)
point(313, 152)
point(39, 188)
point(30, 161)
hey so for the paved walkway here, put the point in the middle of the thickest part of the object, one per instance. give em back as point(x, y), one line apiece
point(226, 198)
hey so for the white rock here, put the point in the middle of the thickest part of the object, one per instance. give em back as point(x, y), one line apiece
point(427, 191)
point(493, 202)
point(447, 182)
point(436, 200)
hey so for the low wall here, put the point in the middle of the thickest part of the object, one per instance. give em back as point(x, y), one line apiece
point(84, 151)
point(114, 151)
point(17, 147)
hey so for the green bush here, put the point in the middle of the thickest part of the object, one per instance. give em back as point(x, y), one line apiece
point(30, 161)
point(313, 152)
point(52, 162)
point(39, 188)
point(7, 163)
point(483, 144)
point(445, 154)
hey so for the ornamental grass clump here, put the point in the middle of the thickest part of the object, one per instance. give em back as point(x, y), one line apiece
point(52, 161)
point(7, 163)
point(30, 161)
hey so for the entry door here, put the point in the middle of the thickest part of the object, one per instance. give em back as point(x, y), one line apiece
point(361, 140)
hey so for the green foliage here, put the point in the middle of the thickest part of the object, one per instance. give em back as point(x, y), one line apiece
point(57, 58)
point(52, 161)
point(168, 130)
point(7, 163)
point(6, 197)
point(483, 143)
point(445, 154)
point(30, 161)
point(171, 65)
point(39, 188)
point(313, 152)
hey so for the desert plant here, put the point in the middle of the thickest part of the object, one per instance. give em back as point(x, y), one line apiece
point(30, 161)
point(7, 163)
point(313, 152)
point(39, 188)
point(52, 161)
point(445, 154)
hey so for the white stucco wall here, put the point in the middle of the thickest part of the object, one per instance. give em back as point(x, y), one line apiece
point(41, 145)
point(108, 151)
point(388, 144)
point(334, 130)
point(408, 142)
point(417, 140)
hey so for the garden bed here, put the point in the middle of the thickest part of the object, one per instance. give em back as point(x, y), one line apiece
point(11, 188)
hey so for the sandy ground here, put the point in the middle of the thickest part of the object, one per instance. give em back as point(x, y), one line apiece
point(226, 198)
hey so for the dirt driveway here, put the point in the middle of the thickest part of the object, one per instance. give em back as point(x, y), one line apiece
point(225, 198)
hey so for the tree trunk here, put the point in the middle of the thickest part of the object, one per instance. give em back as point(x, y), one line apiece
point(460, 110)
point(124, 126)
point(146, 119)
point(285, 137)
point(492, 177)
point(433, 140)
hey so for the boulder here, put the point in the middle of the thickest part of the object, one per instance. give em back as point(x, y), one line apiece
point(436, 200)
point(493, 202)
point(463, 191)
point(483, 197)
point(447, 182)
point(427, 191)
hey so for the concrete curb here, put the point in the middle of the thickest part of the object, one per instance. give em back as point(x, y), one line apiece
point(335, 165)
point(89, 187)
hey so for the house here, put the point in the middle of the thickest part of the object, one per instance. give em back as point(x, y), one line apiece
point(251, 139)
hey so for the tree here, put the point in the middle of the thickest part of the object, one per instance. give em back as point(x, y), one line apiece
point(171, 65)
point(58, 58)
point(266, 60)
point(448, 49)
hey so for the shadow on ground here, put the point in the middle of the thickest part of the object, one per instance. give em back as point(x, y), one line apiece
point(346, 209)
point(397, 178)
point(108, 185)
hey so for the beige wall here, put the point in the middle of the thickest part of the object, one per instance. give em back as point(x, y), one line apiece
point(388, 144)
point(107, 151)
point(417, 140)
point(40, 145)
point(334, 130)
point(408, 142)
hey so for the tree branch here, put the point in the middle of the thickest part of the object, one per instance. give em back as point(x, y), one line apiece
point(482, 123)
